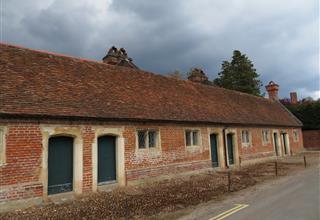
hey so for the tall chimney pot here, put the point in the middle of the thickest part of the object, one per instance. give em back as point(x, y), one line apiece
point(293, 98)
point(118, 58)
point(197, 75)
point(273, 89)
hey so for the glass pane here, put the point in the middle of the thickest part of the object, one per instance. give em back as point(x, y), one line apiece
point(195, 137)
point(188, 138)
point(152, 138)
point(245, 138)
point(142, 138)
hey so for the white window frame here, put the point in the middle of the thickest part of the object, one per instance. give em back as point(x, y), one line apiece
point(157, 141)
point(192, 132)
point(2, 145)
point(266, 139)
point(295, 134)
point(245, 143)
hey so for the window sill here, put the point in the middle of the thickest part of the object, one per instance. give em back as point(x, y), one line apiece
point(193, 148)
point(153, 151)
point(245, 145)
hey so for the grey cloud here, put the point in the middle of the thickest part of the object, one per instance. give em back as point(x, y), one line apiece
point(280, 37)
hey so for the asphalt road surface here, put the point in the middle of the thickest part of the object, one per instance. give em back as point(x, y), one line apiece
point(295, 197)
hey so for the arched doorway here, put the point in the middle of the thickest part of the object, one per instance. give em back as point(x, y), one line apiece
point(60, 164)
point(106, 159)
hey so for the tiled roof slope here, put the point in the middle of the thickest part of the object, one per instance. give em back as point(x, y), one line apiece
point(44, 84)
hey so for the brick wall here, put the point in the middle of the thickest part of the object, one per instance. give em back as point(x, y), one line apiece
point(173, 152)
point(311, 139)
point(20, 176)
point(296, 145)
point(88, 138)
point(259, 149)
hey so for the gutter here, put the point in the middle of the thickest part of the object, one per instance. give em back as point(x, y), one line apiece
point(100, 119)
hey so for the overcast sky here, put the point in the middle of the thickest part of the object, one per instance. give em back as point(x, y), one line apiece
point(281, 37)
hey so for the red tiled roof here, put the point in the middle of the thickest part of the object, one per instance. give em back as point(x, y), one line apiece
point(34, 83)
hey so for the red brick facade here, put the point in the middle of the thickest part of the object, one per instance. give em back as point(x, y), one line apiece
point(72, 97)
point(21, 175)
point(311, 139)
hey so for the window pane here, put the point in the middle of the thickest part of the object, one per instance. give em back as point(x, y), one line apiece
point(142, 138)
point(152, 138)
point(195, 137)
point(245, 136)
point(188, 138)
point(295, 135)
point(265, 136)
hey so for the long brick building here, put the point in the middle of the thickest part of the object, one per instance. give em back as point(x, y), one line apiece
point(73, 126)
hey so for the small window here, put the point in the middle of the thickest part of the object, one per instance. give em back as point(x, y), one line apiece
point(245, 138)
point(2, 147)
point(192, 137)
point(295, 135)
point(147, 139)
point(265, 136)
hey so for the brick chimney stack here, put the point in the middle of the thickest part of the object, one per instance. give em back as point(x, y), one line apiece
point(118, 58)
point(272, 89)
point(197, 75)
point(293, 98)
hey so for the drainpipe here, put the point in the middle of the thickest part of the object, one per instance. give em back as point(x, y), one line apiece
point(225, 147)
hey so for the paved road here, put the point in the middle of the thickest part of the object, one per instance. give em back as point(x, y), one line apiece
point(295, 197)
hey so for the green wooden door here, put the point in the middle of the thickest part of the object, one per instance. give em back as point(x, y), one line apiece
point(60, 165)
point(276, 147)
point(230, 149)
point(214, 150)
point(106, 159)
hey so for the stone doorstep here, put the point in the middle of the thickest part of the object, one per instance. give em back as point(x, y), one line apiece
point(60, 198)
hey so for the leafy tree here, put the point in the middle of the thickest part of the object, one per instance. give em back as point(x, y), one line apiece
point(308, 112)
point(239, 74)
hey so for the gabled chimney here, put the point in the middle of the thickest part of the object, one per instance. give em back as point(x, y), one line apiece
point(198, 76)
point(272, 89)
point(118, 58)
point(293, 98)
